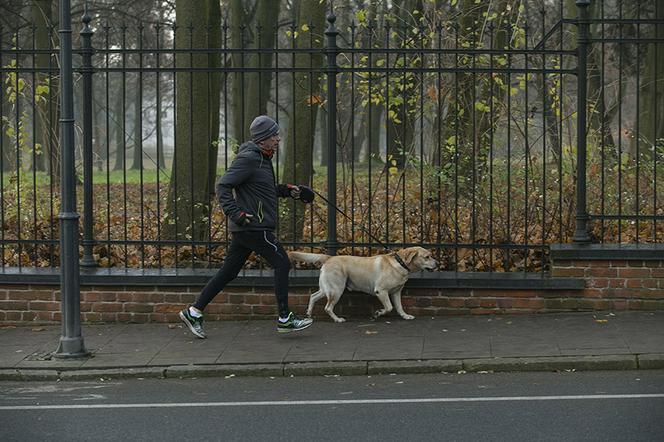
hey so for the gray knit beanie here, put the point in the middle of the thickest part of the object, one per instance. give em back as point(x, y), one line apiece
point(263, 127)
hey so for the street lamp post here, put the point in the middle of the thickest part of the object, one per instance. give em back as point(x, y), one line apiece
point(71, 340)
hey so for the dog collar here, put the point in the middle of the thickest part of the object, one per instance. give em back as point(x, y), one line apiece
point(400, 261)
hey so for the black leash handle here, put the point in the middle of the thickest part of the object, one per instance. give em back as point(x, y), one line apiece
point(348, 217)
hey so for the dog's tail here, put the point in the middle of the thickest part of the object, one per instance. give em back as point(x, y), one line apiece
point(312, 258)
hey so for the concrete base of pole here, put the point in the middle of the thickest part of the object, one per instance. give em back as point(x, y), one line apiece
point(70, 348)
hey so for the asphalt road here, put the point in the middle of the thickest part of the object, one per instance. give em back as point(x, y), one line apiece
point(602, 406)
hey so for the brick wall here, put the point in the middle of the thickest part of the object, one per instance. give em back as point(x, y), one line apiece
point(617, 284)
point(603, 278)
point(161, 304)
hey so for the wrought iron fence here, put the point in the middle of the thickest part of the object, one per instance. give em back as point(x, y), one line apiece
point(462, 140)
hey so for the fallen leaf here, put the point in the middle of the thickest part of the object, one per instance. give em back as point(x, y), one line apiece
point(38, 329)
point(370, 332)
point(601, 321)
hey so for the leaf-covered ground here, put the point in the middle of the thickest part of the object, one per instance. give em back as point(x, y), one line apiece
point(501, 223)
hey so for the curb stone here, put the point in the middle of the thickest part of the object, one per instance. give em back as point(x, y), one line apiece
point(651, 361)
point(552, 363)
point(112, 373)
point(28, 375)
point(347, 368)
point(193, 371)
point(414, 366)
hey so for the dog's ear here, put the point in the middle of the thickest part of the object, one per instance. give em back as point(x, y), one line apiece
point(409, 255)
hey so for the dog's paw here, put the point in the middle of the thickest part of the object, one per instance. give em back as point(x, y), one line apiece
point(339, 320)
point(408, 317)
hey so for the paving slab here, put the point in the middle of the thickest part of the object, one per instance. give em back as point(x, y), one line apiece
point(118, 360)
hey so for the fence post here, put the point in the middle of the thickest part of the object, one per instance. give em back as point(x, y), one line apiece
point(71, 341)
point(583, 39)
point(86, 70)
point(331, 50)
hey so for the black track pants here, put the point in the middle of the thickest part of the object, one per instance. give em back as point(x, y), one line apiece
point(242, 244)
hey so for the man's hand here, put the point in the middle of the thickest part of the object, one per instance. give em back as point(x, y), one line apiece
point(306, 194)
point(293, 191)
point(243, 218)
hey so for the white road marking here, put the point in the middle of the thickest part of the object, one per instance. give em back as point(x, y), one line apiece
point(337, 402)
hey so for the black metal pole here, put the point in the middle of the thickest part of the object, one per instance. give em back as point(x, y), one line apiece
point(71, 341)
point(86, 70)
point(583, 37)
point(331, 69)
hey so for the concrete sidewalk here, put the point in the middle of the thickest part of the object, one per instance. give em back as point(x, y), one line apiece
point(551, 342)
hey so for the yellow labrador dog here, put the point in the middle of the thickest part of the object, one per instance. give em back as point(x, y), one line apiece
point(382, 275)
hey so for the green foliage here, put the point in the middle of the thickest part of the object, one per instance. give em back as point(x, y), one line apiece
point(17, 90)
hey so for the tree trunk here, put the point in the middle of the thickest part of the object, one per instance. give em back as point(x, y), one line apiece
point(119, 131)
point(651, 115)
point(189, 194)
point(401, 113)
point(214, 60)
point(159, 87)
point(372, 115)
point(251, 90)
point(6, 143)
point(237, 41)
point(137, 129)
point(98, 142)
point(161, 160)
point(373, 140)
point(306, 100)
point(465, 131)
point(258, 85)
point(599, 114)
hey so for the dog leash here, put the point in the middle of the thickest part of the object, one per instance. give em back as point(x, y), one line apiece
point(396, 255)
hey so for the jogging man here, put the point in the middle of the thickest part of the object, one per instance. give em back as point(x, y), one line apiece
point(248, 196)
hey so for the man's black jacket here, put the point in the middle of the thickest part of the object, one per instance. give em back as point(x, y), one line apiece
point(249, 186)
